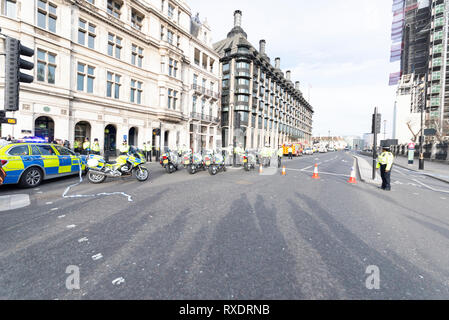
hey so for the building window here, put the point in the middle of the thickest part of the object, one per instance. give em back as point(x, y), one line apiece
point(46, 15)
point(114, 46)
point(46, 66)
point(170, 36)
point(172, 99)
point(89, 29)
point(242, 65)
point(172, 68)
point(137, 56)
point(243, 50)
point(136, 92)
point(226, 67)
point(9, 8)
point(171, 11)
point(85, 81)
point(162, 5)
point(114, 8)
point(162, 33)
point(136, 19)
point(113, 85)
point(194, 99)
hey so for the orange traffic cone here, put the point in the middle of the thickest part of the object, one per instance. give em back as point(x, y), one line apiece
point(352, 179)
point(261, 169)
point(315, 172)
point(284, 173)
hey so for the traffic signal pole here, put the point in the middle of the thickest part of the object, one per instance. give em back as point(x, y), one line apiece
point(375, 144)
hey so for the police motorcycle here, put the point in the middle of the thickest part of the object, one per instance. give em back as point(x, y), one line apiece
point(125, 165)
point(217, 163)
point(196, 163)
point(250, 160)
point(170, 161)
point(265, 157)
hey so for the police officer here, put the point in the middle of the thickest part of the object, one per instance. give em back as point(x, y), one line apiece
point(86, 146)
point(280, 156)
point(76, 146)
point(96, 147)
point(147, 147)
point(290, 152)
point(124, 149)
point(385, 164)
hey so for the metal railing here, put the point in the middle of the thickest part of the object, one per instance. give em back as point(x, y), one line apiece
point(204, 117)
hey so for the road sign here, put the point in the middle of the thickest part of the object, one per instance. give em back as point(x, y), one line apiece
point(430, 132)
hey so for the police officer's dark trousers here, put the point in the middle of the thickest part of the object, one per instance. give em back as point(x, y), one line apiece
point(386, 177)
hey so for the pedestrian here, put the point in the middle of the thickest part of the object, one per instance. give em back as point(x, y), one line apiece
point(86, 146)
point(9, 138)
point(290, 152)
point(66, 144)
point(76, 145)
point(280, 155)
point(96, 147)
point(385, 164)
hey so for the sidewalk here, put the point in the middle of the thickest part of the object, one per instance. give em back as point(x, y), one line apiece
point(435, 170)
point(366, 171)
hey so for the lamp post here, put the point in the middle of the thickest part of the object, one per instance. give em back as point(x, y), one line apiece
point(421, 138)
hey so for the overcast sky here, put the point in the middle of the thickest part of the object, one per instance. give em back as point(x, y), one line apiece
point(338, 47)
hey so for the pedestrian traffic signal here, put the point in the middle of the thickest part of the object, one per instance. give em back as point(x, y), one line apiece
point(13, 75)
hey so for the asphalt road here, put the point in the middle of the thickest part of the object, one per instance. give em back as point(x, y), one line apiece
point(236, 236)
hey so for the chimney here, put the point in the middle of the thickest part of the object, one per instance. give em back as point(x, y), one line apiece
point(237, 18)
point(277, 63)
point(262, 44)
point(288, 75)
point(297, 83)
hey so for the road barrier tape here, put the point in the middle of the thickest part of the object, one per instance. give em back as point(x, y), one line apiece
point(65, 196)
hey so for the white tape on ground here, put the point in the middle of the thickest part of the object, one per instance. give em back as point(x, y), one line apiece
point(65, 196)
point(429, 187)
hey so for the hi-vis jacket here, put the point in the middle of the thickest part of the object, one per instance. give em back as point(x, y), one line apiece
point(385, 158)
point(280, 152)
point(124, 148)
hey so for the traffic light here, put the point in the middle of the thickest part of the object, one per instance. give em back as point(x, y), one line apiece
point(377, 123)
point(13, 75)
point(156, 132)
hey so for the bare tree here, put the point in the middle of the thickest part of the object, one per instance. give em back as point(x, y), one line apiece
point(440, 135)
point(415, 135)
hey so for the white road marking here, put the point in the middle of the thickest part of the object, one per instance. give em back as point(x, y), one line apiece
point(83, 240)
point(71, 226)
point(97, 257)
point(48, 203)
point(65, 196)
point(54, 209)
point(429, 187)
point(60, 217)
point(40, 192)
point(118, 281)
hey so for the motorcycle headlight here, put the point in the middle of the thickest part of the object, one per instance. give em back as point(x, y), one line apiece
point(92, 163)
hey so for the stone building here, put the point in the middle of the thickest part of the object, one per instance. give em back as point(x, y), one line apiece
point(111, 70)
point(259, 104)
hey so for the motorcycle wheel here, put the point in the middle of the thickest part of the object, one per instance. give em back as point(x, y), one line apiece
point(213, 170)
point(224, 169)
point(170, 168)
point(95, 178)
point(191, 169)
point(142, 174)
point(246, 167)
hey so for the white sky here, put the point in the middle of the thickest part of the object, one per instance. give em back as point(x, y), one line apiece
point(339, 47)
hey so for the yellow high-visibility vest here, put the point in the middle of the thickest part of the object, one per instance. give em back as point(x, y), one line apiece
point(385, 158)
point(96, 147)
point(86, 145)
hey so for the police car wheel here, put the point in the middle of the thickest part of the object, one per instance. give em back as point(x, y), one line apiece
point(31, 178)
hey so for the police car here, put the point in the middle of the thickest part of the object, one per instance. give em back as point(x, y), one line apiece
point(28, 163)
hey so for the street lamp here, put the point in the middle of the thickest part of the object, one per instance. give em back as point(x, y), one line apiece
point(421, 138)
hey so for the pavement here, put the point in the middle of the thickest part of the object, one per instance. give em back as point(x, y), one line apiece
point(238, 235)
point(432, 169)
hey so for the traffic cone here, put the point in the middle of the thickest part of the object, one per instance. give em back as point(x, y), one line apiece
point(352, 179)
point(315, 172)
point(284, 173)
point(261, 169)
